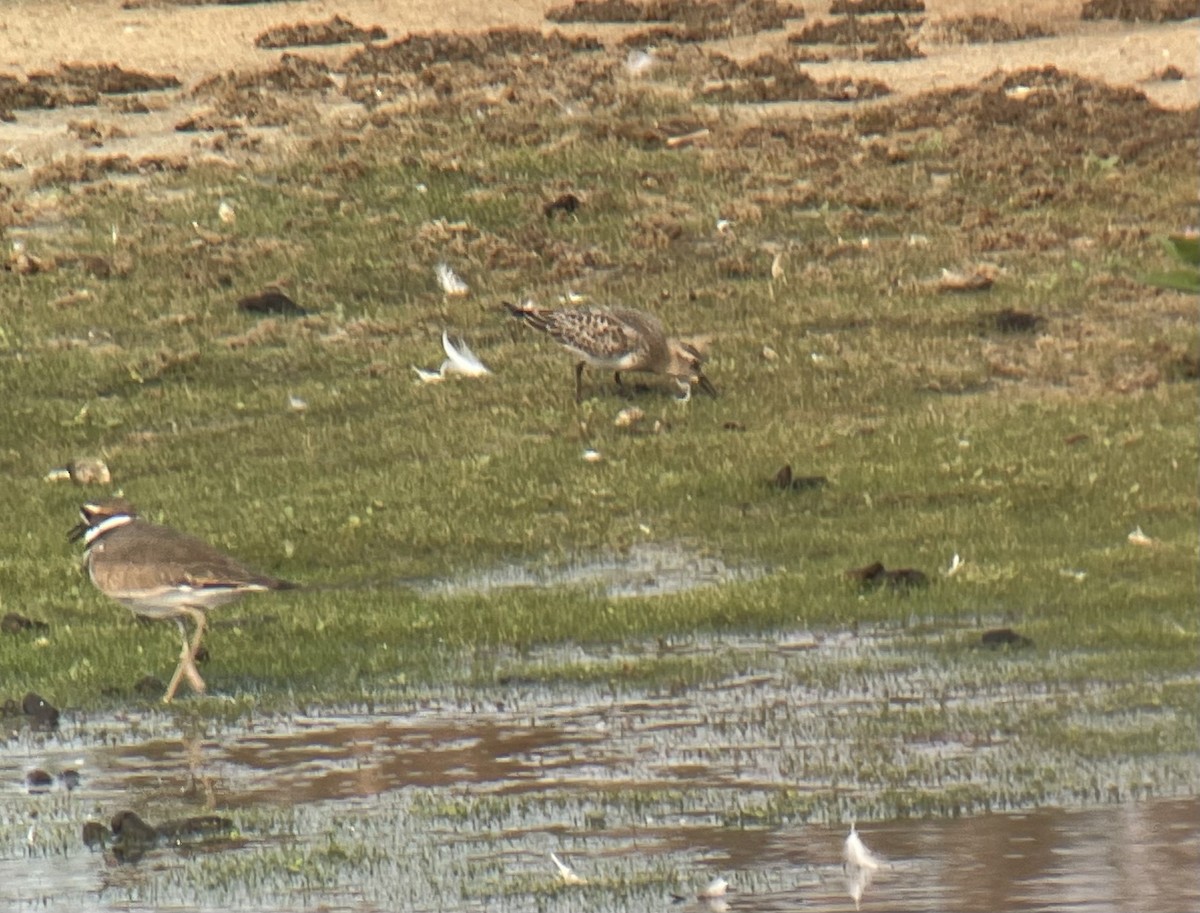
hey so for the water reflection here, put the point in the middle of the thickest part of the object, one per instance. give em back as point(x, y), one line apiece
point(459, 803)
point(860, 866)
point(643, 569)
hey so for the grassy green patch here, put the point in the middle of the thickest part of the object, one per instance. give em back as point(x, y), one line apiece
point(1031, 455)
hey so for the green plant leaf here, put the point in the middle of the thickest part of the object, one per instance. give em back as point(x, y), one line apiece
point(1183, 280)
point(1186, 248)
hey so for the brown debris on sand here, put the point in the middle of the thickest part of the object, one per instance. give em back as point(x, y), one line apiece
point(307, 34)
point(1140, 10)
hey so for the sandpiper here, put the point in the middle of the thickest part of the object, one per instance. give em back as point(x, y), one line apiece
point(618, 339)
point(158, 572)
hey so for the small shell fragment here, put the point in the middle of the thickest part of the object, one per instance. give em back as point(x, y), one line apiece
point(82, 471)
point(1137, 537)
point(628, 417)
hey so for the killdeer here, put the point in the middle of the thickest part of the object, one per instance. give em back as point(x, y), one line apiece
point(618, 339)
point(158, 572)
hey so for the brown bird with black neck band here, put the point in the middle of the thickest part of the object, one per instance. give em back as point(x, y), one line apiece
point(158, 572)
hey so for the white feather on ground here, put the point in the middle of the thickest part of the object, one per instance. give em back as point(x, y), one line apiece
point(451, 283)
point(566, 872)
point(459, 360)
point(638, 63)
point(856, 854)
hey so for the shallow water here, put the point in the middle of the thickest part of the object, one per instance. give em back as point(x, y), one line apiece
point(455, 801)
point(644, 569)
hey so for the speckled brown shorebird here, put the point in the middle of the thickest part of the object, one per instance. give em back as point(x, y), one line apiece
point(619, 340)
point(158, 572)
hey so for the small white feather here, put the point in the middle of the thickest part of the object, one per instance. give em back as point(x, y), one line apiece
point(718, 887)
point(566, 872)
point(638, 62)
point(856, 854)
point(451, 283)
point(460, 359)
point(1137, 537)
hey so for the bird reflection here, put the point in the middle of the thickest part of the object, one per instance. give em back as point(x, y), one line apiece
point(709, 900)
point(859, 865)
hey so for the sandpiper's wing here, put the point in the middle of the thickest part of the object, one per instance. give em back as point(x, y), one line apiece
point(599, 335)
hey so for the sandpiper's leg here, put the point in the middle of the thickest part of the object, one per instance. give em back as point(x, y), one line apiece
point(579, 382)
point(617, 378)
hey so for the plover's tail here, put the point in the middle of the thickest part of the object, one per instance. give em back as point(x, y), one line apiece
point(536, 317)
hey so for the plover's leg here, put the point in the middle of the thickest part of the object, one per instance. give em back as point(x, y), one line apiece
point(579, 382)
point(185, 656)
point(190, 670)
point(201, 623)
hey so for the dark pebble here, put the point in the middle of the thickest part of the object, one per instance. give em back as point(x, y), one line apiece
point(906, 578)
point(95, 835)
point(1010, 320)
point(149, 686)
point(15, 623)
point(784, 480)
point(42, 714)
point(875, 575)
point(1004, 637)
point(38, 780)
point(567, 204)
point(271, 301)
point(200, 827)
point(128, 828)
point(870, 575)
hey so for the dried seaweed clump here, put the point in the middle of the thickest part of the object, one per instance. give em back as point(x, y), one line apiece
point(1140, 10)
point(306, 34)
